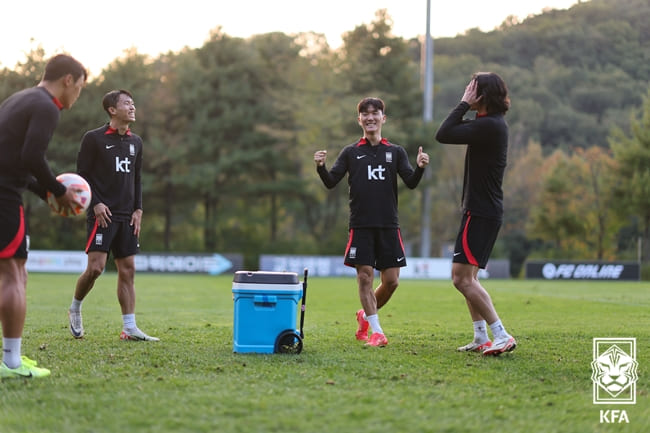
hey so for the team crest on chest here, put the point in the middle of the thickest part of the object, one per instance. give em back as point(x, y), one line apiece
point(132, 149)
point(389, 156)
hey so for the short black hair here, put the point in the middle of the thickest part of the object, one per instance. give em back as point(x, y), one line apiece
point(376, 103)
point(62, 65)
point(110, 99)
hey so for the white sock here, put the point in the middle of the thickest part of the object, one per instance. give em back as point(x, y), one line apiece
point(129, 321)
point(498, 330)
point(374, 323)
point(480, 332)
point(76, 305)
point(11, 352)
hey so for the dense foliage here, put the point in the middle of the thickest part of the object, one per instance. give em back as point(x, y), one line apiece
point(230, 129)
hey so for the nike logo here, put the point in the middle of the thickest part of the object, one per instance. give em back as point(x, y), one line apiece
point(361, 156)
point(110, 146)
point(457, 254)
point(400, 259)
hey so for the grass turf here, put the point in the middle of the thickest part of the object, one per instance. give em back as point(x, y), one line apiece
point(192, 381)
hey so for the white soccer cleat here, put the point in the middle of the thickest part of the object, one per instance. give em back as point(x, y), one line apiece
point(501, 345)
point(475, 347)
point(136, 335)
point(76, 324)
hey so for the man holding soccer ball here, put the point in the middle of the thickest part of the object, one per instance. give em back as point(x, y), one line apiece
point(110, 159)
point(28, 119)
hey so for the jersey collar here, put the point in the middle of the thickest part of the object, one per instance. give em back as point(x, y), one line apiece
point(58, 103)
point(110, 130)
point(363, 141)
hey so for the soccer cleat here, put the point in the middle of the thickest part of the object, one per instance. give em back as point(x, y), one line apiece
point(136, 335)
point(362, 331)
point(377, 339)
point(475, 347)
point(76, 324)
point(24, 370)
point(29, 362)
point(501, 345)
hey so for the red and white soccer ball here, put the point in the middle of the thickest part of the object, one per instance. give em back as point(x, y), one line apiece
point(81, 191)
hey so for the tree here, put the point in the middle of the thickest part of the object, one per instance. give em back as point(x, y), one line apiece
point(556, 217)
point(595, 170)
point(521, 189)
point(632, 152)
point(576, 206)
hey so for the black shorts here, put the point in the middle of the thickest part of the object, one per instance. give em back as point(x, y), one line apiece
point(376, 247)
point(118, 237)
point(475, 240)
point(14, 236)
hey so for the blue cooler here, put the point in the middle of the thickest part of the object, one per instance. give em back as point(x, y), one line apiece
point(266, 305)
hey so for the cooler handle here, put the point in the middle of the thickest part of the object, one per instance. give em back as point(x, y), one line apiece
point(265, 300)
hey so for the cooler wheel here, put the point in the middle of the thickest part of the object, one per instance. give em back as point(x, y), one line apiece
point(288, 342)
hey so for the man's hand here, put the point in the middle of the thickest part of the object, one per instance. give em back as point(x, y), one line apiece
point(319, 157)
point(102, 214)
point(422, 159)
point(136, 219)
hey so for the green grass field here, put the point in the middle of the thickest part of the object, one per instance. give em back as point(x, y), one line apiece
point(192, 381)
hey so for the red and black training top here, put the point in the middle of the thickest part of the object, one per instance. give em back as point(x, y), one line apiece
point(372, 177)
point(28, 119)
point(112, 165)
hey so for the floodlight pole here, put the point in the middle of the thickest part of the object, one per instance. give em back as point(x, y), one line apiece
point(428, 70)
point(427, 117)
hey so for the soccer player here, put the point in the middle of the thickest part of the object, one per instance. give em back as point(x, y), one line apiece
point(486, 138)
point(28, 119)
point(110, 159)
point(375, 241)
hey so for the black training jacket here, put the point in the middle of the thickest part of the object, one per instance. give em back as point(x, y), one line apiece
point(372, 178)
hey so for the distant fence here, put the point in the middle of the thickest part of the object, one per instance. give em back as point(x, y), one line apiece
point(587, 270)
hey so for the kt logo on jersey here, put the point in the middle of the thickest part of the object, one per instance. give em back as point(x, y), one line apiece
point(376, 173)
point(122, 165)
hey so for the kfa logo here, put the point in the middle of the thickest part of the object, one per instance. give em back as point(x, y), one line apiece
point(613, 416)
point(122, 166)
point(614, 375)
point(376, 173)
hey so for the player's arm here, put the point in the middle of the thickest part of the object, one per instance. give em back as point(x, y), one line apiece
point(138, 181)
point(410, 176)
point(455, 130)
point(37, 137)
point(37, 188)
point(136, 216)
point(332, 177)
point(85, 166)
point(85, 158)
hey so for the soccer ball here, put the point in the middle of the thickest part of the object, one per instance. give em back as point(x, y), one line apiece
point(81, 190)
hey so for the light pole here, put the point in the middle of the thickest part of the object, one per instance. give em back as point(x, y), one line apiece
point(427, 117)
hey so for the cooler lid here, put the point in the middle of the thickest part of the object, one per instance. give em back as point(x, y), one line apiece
point(263, 277)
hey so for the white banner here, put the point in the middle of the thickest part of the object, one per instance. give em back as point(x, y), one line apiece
point(56, 261)
point(331, 266)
